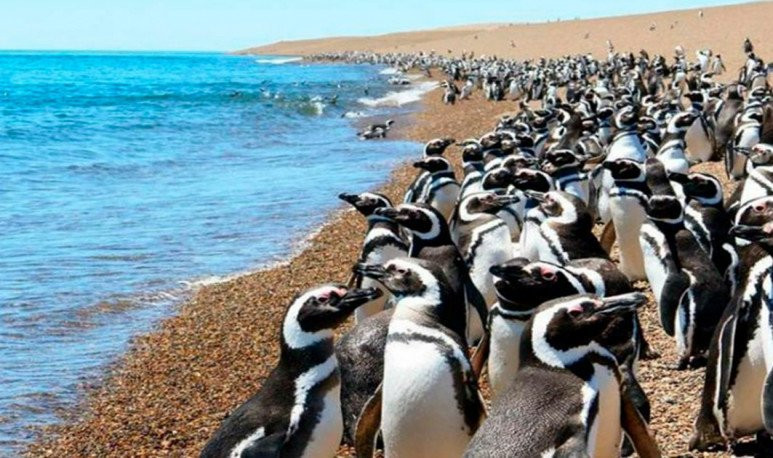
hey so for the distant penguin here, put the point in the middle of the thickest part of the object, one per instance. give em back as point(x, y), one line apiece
point(627, 205)
point(382, 243)
point(297, 411)
point(484, 241)
point(737, 395)
point(441, 190)
point(565, 234)
point(435, 147)
point(566, 400)
point(430, 405)
point(690, 292)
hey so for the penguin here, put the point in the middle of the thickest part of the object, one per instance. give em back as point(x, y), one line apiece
point(627, 205)
point(382, 243)
point(566, 399)
point(690, 292)
point(484, 241)
point(431, 241)
point(435, 147)
point(472, 164)
point(705, 216)
point(737, 396)
point(521, 287)
point(565, 233)
point(297, 411)
point(672, 151)
point(441, 190)
point(430, 404)
point(565, 167)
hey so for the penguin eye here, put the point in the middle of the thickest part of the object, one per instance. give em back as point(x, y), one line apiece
point(759, 208)
point(548, 275)
point(323, 299)
point(401, 271)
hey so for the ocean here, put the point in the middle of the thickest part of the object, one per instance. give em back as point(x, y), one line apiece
point(127, 179)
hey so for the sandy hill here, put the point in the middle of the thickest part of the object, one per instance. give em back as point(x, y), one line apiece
point(722, 29)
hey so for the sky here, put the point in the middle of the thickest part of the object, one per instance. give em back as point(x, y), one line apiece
point(225, 25)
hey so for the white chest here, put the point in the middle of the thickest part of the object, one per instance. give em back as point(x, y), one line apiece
point(604, 431)
point(505, 352)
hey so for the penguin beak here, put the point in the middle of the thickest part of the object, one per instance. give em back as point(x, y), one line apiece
point(356, 297)
point(420, 165)
point(349, 198)
point(374, 271)
point(751, 233)
point(536, 195)
point(620, 304)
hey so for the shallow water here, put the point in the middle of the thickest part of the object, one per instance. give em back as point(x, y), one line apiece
point(125, 178)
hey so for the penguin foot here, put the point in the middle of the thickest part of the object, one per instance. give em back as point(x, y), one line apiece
point(710, 441)
point(649, 354)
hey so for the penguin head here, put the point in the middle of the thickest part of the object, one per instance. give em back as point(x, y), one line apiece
point(434, 164)
point(560, 159)
point(703, 187)
point(561, 207)
point(762, 235)
point(422, 220)
point(525, 285)
point(314, 314)
point(486, 202)
point(761, 154)
point(625, 170)
point(665, 209)
point(367, 202)
point(408, 277)
point(756, 212)
point(437, 146)
point(626, 117)
point(680, 122)
point(497, 178)
point(519, 161)
point(565, 330)
point(532, 180)
point(472, 152)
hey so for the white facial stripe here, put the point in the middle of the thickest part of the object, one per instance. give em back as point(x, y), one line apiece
point(568, 212)
point(294, 336)
point(434, 230)
point(431, 295)
point(552, 356)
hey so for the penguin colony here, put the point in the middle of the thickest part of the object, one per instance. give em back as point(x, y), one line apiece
point(499, 275)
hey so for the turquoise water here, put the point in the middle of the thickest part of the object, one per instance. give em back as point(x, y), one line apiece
point(125, 178)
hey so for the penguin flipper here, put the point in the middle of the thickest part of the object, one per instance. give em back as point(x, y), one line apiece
point(608, 236)
point(368, 424)
point(670, 298)
point(635, 427)
point(767, 403)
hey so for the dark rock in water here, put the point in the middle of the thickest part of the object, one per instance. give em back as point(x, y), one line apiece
point(360, 354)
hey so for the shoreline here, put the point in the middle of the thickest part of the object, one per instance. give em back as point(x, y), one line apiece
point(175, 384)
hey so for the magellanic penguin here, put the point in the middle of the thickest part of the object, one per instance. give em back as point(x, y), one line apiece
point(430, 405)
point(705, 216)
point(484, 241)
point(627, 206)
point(297, 411)
point(521, 287)
point(566, 169)
point(441, 190)
point(566, 398)
point(472, 164)
point(382, 243)
point(690, 292)
point(431, 241)
point(672, 151)
point(738, 392)
point(435, 147)
point(565, 233)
